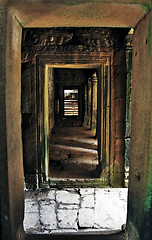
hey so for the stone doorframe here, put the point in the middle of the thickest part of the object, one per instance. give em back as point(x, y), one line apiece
point(29, 15)
point(81, 61)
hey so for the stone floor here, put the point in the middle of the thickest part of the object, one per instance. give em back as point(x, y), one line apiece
point(73, 153)
point(76, 210)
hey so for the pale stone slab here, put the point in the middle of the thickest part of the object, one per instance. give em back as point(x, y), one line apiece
point(109, 210)
point(103, 209)
point(87, 201)
point(31, 220)
point(48, 215)
point(46, 201)
point(67, 197)
point(124, 194)
point(31, 206)
point(51, 194)
point(86, 217)
point(86, 191)
point(67, 219)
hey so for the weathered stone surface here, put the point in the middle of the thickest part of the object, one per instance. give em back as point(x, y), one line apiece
point(86, 217)
point(87, 14)
point(31, 220)
point(48, 215)
point(108, 210)
point(31, 206)
point(67, 219)
point(30, 195)
point(67, 197)
point(98, 209)
point(123, 194)
point(47, 194)
point(87, 201)
point(86, 191)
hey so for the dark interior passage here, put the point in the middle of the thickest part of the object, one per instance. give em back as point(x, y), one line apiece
point(76, 85)
point(73, 153)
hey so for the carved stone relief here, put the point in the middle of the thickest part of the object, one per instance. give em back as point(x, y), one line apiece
point(65, 41)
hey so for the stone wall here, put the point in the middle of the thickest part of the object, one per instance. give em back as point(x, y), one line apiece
point(140, 185)
point(10, 141)
point(4, 195)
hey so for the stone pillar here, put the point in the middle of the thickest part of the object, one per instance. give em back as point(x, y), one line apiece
point(5, 222)
point(11, 166)
point(29, 124)
point(118, 111)
point(86, 105)
point(103, 123)
point(89, 102)
point(140, 178)
point(94, 102)
point(51, 98)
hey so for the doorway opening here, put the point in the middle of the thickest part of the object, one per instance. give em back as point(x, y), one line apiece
point(92, 98)
point(71, 104)
point(73, 147)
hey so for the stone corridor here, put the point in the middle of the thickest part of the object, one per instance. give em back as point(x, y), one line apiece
point(77, 210)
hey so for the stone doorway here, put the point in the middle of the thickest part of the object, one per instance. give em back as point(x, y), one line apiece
point(87, 58)
point(14, 16)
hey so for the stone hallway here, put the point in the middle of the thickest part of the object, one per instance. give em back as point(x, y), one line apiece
point(73, 153)
point(77, 210)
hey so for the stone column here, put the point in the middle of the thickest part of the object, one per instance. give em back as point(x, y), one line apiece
point(118, 111)
point(94, 102)
point(51, 97)
point(86, 104)
point(89, 102)
point(140, 179)
point(11, 160)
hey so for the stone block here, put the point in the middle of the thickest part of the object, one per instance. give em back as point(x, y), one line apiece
point(67, 197)
point(86, 217)
point(109, 210)
point(67, 219)
point(87, 201)
point(86, 191)
point(31, 206)
point(31, 220)
point(48, 214)
point(124, 194)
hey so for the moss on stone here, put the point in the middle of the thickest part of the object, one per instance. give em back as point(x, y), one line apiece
point(116, 176)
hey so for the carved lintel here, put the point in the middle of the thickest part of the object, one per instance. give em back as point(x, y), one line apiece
point(65, 41)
